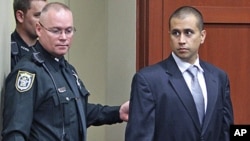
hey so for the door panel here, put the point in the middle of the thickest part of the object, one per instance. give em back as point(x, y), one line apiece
point(227, 44)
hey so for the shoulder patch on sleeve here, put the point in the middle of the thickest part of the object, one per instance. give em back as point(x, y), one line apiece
point(24, 81)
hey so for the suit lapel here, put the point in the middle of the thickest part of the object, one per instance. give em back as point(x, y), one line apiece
point(186, 98)
point(179, 85)
point(212, 95)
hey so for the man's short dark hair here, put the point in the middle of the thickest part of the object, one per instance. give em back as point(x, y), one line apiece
point(183, 11)
point(23, 5)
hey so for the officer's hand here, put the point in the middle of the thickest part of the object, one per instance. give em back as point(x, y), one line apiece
point(124, 110)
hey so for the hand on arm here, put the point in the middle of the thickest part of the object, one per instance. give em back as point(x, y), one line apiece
point(124, 110)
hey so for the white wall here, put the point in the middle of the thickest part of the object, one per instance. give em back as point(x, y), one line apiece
point(5, 30)
point(89, 53)
point(121, 29)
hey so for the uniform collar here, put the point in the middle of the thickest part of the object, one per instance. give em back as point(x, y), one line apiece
point(23, 48)
point(49, 59)
point(15, 37)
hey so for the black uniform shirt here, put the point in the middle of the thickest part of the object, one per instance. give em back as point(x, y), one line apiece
point(40, 105)
point(18, 48)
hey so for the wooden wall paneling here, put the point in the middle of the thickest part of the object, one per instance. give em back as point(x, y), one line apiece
point(149, 32)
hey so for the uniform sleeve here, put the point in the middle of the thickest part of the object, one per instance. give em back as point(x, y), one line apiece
point(99, 115)
point(141, 123)
point(18, 106)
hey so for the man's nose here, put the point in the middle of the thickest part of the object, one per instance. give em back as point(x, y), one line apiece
point(182, 39)
point(63, 35)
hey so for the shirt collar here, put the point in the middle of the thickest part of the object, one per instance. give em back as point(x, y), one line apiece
point(49, 59)
point(183, 66)
point(15, 36)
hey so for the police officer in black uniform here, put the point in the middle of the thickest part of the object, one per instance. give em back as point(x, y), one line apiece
point(44, 98)
point(24, 37)
point(18, 48)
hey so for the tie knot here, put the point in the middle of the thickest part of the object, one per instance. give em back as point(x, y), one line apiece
point(193, 70)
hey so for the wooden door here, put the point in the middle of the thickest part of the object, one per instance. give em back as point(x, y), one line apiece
point(227, 44)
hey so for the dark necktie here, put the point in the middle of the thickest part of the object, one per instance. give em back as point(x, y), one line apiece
point(197, 93)
point(73, 83)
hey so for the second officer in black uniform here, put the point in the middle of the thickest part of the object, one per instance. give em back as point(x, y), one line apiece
point(27, 13)
point(44, 98)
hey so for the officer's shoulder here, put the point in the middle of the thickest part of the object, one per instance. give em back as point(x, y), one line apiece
point(27, 63)
point(24, 66)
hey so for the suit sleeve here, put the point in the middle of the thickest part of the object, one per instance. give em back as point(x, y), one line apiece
point(141, 124)
point(228, 112)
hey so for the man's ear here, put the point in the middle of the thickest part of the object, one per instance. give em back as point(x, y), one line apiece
point(38, 28)
point(203, 36)
point(20, 16)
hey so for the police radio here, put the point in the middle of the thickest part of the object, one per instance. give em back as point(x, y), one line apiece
point(14, 52)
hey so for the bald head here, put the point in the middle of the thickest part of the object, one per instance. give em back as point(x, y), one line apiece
point(53, 6)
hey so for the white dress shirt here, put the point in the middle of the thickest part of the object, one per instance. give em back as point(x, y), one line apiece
point(183, 66)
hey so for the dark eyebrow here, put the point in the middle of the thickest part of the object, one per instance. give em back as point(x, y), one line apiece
point(37, 14)
point(188, 29)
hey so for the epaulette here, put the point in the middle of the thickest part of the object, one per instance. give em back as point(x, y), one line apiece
point(37, 58)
